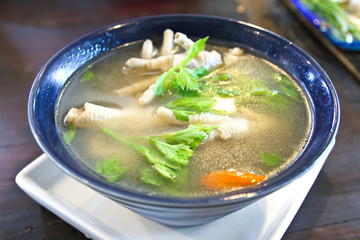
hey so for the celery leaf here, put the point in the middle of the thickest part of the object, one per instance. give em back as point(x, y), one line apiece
point(179, 153)
point(111, 169)
point(184, 78)
point(70, 134)
point(87, 76)
point(151, 176)
point(271, 159)
point(287, 87)
point(193, 135)
point(194, 50)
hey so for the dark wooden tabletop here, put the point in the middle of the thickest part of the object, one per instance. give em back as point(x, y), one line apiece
point(32, 31)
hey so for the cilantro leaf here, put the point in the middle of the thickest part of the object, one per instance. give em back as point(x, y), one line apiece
point(111, 169)
point(271, 159)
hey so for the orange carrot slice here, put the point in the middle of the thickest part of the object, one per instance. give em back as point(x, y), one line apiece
point(218, 180)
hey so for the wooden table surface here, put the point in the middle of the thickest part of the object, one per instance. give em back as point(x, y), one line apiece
point(32, 31)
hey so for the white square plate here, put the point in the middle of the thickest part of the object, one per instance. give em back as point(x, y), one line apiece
point(101, 218)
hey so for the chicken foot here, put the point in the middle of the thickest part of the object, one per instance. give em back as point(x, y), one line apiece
point(228, 127)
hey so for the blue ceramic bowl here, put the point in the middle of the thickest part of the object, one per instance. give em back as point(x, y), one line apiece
point(50, 82)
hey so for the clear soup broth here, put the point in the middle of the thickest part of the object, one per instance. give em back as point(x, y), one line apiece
point(276, 110)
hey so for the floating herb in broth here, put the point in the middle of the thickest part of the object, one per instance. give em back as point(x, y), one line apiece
point(246, 118)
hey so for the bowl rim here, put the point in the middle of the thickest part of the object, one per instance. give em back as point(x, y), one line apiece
point(251, 193)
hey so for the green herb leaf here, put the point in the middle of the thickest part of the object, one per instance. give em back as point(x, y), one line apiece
point(197, 105)
point(223, 92)
point(165, 171)
point(199, 72)
point(70, 134)
point(179, 153)
point(163, 83)
point(272, 98)
point(271, 159)
point(226, 93)
point(154, 157)
point(287, 87)
point(151, 176)
point(339, 22)
point(223, 77)
point(87, 76)
point(276, 101)
point(111, 169)
point(186, 80)
point(283, 80)
point(174, 188)
point(291, 93)
point(172, 151)
point(181, 77)
point(192, 136)
point(194, 50)
point(262, 91)
point(182, 115)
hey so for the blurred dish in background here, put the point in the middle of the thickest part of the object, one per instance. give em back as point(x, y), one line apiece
point(338, 20)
